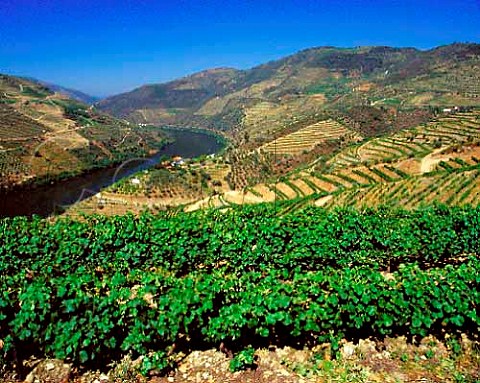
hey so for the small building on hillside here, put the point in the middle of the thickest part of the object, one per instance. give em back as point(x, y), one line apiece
point(177, 161)
point(454, 109)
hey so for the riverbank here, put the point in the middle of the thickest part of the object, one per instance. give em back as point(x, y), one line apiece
point(50, 198)
point(163, 187)
point(34, 181)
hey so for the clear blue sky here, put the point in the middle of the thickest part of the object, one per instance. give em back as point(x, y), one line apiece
point(105, 47)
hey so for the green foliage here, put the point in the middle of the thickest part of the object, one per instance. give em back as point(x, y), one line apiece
point(391, 101)
point(253, 238)
point(156, 361)
point(330, 87)
point(7, 100)
point(243, 360)
point(37, 91)
point(95, 290)
point(454, 346)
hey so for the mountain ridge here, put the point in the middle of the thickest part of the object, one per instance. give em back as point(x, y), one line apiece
point(358, 126)
point(326, 78)
point(66, 91)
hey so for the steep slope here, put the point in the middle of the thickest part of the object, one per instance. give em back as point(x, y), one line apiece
point(360, 126)
point(292, 92)
point(71, 93)
point(46, 135)
point(438, 161)
point(164, 102)
point(434, 162)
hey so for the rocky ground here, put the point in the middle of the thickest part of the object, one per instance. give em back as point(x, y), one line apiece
point(391, 360)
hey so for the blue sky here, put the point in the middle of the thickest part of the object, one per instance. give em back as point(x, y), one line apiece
point(104, 47)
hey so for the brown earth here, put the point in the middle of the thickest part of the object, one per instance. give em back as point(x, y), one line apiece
point(390, 360)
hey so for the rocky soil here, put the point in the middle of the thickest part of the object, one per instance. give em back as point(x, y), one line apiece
point(391, 360)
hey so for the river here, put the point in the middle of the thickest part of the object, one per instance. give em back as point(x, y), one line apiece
point(47, 199)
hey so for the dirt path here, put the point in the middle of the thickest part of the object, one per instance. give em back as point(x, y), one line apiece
point(323, 200)
point(239, 197)
point(124, 138)
point(39, 118)
point(429, 162)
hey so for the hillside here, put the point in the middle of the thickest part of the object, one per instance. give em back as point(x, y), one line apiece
point(45, 135)
point(294, 91)
point(436, 162)
point(239, 275)
point(165, 103)
point(330, 126)
point(71, 93)
point(324, 164)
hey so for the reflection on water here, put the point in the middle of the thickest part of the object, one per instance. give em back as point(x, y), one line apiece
point(45, 200)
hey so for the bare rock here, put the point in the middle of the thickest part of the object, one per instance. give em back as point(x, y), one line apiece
point(366, 347)
point(102, 379)
point(348, 350)
point(50, 371)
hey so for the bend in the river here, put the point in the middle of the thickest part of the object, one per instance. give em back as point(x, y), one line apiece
point(48, 199)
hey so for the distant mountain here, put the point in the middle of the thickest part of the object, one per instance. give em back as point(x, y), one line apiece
point(290, 92)
point(72, 93)
point(179, 96)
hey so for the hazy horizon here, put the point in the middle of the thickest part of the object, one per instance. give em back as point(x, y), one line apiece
point(103, 48)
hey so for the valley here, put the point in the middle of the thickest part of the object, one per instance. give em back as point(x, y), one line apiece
point(321, 126)
point(54, 198)
point(324, 124)
point(434, 162)
point(315, 218)
point(45, 136)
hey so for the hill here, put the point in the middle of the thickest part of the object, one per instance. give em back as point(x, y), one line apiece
point(283, 289)
point(435, 162)
point(330, 126)
point(360, 84)
point(324, 164)
point(165, 103)
point(69, 92)
point(45, 135)
point(72, 93)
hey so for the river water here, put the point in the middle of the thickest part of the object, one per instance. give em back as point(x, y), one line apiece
point(48, 199)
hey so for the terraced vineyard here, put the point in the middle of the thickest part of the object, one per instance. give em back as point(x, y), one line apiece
point(437, 162)
point(410, 167)
point(11, 163)
point(160, 188)
point(45, 135)
point(11, 119)
point(458, 188)
point(452, 164)
point(304, 184)
point(274, 118)
point(307, 138)
point(418, 142)
point(15, 143)
point(248, 168)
